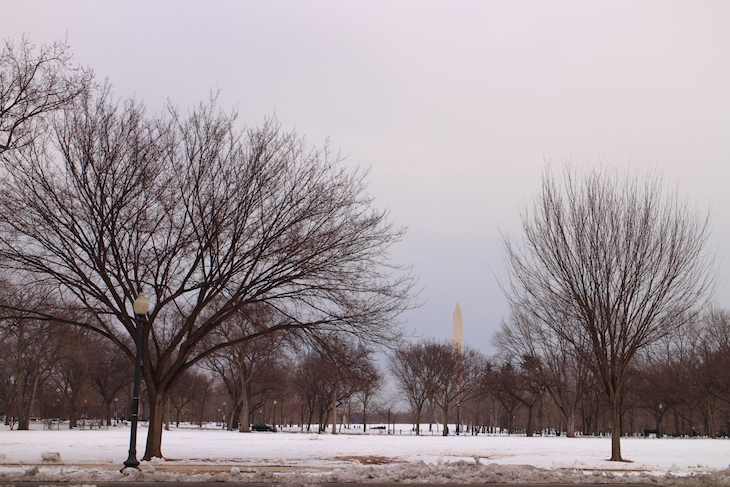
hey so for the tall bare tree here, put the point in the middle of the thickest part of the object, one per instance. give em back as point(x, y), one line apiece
point(502, 379)
point(349, 368)
point(35, 82)
point(189, 395)
point(330, 373)
point(204, 217)
point(72, 373)
point(618, 255)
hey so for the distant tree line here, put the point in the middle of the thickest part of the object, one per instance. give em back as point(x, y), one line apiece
point(678, 387)
point(56, 372)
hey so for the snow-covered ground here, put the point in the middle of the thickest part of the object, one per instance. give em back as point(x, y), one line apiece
point(194, 454)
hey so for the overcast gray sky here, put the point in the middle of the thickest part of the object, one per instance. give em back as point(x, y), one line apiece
point(454, 105)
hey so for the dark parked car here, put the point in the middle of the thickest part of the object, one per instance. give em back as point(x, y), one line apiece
point(263, 427)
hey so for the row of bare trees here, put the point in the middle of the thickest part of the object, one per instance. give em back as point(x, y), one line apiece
point(46, 366)
point(58, 371)
point(679, 386)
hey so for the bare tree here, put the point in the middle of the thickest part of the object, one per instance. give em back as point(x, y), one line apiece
point(72, 373)
point(111, 371)
point(208, 220)
point(240, 365)
point(349, 369)
point(193, 387)
point(502, 380)
point(559, 368)
point(331, 372)
point(452, 375)
point(310, 382)
point(711, 373)
point(370, 385)
point(30, 349)
point(409, 366)
point(33, 84)
point(619, 256)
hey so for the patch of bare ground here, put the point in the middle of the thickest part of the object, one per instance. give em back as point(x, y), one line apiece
point(369, 459)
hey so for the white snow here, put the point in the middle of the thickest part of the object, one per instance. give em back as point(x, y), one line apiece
point(198, 454)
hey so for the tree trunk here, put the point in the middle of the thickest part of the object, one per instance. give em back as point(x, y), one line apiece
point(107, 407)
point(153, 447)
point(235, 421)
point(73, 415)
point(26, 408)
point(166, 414)
point(616, 431)
point(24, 417)
point(334, 408)
point(711, 425)
point(418, 421)
point(445, 411)
point(570, 422)
point(245, 411)
point(530, 427)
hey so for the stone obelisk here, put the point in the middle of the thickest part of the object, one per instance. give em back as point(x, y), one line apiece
point(458, 330)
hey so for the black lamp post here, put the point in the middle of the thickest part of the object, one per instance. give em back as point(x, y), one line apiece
point(141, 306)
point(388, 430)
point(273, 423)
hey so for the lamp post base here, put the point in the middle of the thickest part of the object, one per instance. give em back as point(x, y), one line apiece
point(130, 462)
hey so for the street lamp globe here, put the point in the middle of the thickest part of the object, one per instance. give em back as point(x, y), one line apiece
point(141, 305)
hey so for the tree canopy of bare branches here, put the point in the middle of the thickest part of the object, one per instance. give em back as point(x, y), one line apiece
point(409, 366)
point(239, 366)
point(33, 84)
point(207, 219)
point(437, 371)
point(562, 373)
point(610, 263)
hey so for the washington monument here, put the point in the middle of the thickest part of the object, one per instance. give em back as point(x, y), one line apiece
point(458, 330)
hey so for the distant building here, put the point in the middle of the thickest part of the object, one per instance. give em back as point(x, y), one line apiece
point(458, 329)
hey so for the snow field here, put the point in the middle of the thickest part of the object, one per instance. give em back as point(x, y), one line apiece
point(221, 455)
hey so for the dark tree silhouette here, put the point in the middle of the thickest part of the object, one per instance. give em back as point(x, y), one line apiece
point(238, 366)
point(452, 376)
point(207, 220)
point(558, 368)
point(29, 349)
point(409, 365)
